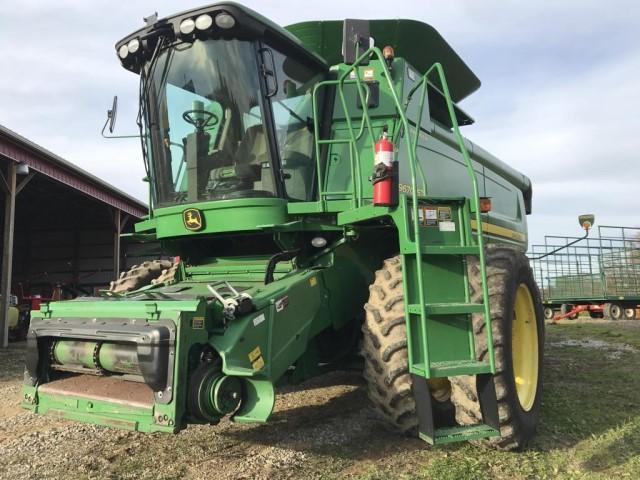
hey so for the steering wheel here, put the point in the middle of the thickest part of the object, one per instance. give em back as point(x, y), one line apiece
point(205, 119)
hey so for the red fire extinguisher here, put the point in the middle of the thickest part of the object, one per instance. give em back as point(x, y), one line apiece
point(385, 172)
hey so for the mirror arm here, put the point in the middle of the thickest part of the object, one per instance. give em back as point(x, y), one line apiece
point(115, 136)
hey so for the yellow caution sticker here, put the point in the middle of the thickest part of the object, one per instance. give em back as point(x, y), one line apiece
point(197, 323)
point(258, 364)
point(254, 354)
point(313, 281)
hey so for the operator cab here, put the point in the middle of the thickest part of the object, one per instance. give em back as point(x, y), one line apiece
point(226, 108)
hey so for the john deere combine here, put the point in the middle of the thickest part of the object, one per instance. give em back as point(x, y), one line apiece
point(323, 207)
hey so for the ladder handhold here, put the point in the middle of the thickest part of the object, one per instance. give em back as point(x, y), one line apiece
point(447, 308)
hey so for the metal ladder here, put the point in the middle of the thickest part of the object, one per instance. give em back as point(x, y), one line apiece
point(437, 315)
point(434, 316)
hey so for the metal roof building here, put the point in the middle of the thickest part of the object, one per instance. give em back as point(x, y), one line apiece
point(61, 225)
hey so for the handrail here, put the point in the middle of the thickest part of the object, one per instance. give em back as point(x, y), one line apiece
point(357, 193)
point(437, 67)
point(414, 167)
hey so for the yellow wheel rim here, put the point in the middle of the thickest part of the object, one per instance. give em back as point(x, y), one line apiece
point(524, 347)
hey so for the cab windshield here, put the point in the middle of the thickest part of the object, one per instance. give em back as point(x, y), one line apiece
point(204, 124)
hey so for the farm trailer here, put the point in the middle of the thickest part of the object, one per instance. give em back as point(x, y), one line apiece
point(600, 275)
point(322, 207)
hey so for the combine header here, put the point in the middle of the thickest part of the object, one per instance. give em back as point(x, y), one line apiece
point(322, 206)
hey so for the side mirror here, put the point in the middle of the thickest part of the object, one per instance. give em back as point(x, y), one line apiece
point(586, 221)
point(112, 114)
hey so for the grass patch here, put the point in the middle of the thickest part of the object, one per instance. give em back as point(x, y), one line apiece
point(590, 417)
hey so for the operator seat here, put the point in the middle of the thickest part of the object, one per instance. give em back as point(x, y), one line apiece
point(247, 172)
point(252, 158)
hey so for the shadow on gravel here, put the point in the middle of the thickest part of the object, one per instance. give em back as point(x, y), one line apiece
point(344, 426)
point(12, 361)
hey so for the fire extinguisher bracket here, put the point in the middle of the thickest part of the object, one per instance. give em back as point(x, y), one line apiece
point(385, 172)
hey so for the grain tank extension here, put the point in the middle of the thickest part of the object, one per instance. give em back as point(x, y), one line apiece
point(323, 210)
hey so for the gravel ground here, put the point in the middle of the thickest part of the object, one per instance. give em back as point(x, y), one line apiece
point(320, 429)
point(323, 423)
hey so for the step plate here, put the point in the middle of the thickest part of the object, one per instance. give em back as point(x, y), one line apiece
point(101, 388)
point(460, 434)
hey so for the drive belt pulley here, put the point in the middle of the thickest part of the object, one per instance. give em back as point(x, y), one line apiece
point(212, 394)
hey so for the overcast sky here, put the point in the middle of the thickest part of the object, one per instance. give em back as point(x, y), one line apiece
point(559, 99)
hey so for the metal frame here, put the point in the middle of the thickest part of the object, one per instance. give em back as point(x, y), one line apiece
point(414, 165)
point(589, 270)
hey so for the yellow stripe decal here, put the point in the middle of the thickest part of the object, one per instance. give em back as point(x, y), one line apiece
point(500, 231)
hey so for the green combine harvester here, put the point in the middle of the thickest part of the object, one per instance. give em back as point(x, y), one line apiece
point(324, 212)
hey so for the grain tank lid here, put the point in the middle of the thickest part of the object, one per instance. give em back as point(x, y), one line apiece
point(420, 44)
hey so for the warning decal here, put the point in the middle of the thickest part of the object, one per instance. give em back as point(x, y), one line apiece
point(431, 217)
point(255, 357)
point(254, 354)
point(282, 303)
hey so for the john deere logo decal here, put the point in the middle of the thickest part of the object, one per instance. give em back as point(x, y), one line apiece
point(192, 219)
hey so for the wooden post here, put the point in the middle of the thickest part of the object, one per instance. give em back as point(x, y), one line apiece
point(7, 251)
point(116, 244)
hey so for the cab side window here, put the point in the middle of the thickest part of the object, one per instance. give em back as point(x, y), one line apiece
point(293, 115)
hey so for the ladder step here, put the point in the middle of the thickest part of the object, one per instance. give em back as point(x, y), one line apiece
point(447, 308)
point(442, 249)
point(455, 368)
point(461, 433)
point(450, 250)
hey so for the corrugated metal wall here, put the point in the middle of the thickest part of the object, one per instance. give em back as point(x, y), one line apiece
point(79, 259)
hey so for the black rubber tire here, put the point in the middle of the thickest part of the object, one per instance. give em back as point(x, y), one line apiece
point(613, 311)
point(138, 276)
point(595, 315)
point(629, 313)
point(566, 308)
point(384, 347)
point(548, 313)
point(506, 270)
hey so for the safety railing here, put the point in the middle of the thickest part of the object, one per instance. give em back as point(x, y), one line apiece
point(423, 83)
point(414, 166)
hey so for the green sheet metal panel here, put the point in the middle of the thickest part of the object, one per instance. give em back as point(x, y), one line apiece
point(420, 44)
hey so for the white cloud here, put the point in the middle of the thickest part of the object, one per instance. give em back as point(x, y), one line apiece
point(559, 99)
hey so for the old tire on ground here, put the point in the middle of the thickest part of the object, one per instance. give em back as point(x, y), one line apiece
point(548, 313)
point(518, 338)
point(629, 313)
point(566, 308)
point(384, 347)
point(613, 311)
point(140, 275)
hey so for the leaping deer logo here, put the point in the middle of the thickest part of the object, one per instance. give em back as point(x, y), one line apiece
point(192, 219)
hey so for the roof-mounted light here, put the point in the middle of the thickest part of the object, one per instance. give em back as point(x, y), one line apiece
point(203, 22)
point(225, 20)
point(123, 52)
point(187, 26)
point(133, 45)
